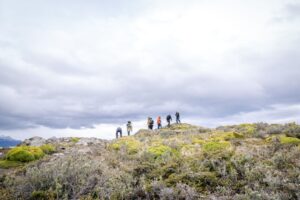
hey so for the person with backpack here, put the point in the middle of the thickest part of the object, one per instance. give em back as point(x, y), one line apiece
point(119, 131)
point(129, 127)
point(177, 117)
point(169, 119)
point(150, 123)
point(158, 122)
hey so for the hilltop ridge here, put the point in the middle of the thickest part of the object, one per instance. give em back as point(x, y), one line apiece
point(246, 161)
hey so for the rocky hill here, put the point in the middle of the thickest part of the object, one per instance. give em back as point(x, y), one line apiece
point(247, 161)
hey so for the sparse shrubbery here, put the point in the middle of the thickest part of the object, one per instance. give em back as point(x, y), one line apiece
point(249, 161)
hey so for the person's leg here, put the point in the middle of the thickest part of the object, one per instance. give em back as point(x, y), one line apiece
point(120, 134)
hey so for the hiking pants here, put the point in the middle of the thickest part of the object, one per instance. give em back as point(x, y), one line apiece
point(159, 126)
point(117, 134)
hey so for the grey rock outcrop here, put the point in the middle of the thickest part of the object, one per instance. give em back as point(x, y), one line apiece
point(34, 141)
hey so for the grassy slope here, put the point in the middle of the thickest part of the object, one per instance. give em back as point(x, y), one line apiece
point(248, 161)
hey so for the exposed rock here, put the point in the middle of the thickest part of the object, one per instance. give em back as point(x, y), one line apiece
point(90, 141)
point(58, 154)
point(86, 150)
point(34, 141)
point(52, 140)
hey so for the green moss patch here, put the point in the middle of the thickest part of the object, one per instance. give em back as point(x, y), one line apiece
point(6, 164)
point(75, 139)
point(182, 126)
point(160, 150)
point(247, 129)
point(25, 154)
point(198, 141)
point(226, 136)
point(131, 145)
point(48, 148)
point(289, 140)
point(215, 146)
point(43, 195)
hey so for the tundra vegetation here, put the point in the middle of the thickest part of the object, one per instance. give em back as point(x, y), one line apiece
point(246, 161)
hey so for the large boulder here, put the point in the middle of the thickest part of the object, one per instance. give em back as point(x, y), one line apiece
point(34, 141)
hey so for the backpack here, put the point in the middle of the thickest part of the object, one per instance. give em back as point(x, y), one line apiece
point(158, 120)
point(151, 121)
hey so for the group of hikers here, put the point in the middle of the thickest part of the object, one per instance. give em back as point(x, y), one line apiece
point(150, 124)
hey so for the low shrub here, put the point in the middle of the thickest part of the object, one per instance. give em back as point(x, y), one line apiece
point(189, 150)
point(130, 144)
point(289, 140)
point(182, 126)
point(43, 195)
point(292, 130)
point(198, 141)
point(247, 129)
point(48, 148)
point(6, 194)
point(6, 164)
point(199, 180)
point(220, 136)
point(160, 150)
point(75, 139)
point(25, 154)
point(213, 147)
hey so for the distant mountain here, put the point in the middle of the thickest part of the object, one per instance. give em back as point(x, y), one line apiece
point(6, 141)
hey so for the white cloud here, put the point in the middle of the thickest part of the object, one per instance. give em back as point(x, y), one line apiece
point(74, 63)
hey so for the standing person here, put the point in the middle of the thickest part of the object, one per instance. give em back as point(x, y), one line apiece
point(159, 122)
point(148, 122)
point(169, 119)
point(177, 117)
point(119, 131)
point(151, 123)
point(129, 127)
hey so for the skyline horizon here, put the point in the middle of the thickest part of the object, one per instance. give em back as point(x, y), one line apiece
point(72, 64)
point(107, 131)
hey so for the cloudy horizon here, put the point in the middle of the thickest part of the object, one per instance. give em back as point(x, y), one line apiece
point(74, 68)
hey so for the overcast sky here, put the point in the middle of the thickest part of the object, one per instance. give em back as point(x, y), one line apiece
point(83, 68)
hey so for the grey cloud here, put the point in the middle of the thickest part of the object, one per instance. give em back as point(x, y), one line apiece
point(293, 10)
point(58, 74)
